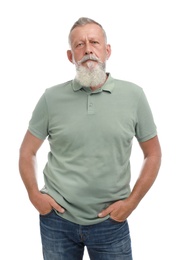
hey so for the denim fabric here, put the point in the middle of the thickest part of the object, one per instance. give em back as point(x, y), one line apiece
point(64, 240)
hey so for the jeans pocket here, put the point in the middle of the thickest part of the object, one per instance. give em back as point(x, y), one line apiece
point(115, 221)
point(47, 214)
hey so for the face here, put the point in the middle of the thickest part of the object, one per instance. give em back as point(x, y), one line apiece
point(88, 41)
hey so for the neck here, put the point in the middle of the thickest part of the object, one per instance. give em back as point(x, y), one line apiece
point(93, 88)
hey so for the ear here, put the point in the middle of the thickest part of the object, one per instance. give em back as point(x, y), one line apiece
point(108, 50)
point(70, 55)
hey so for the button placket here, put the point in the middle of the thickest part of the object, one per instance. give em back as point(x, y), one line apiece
point(91, 107)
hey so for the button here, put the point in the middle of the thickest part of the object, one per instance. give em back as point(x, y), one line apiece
point(91, 105)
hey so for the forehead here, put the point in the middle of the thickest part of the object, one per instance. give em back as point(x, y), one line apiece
point(88, 30)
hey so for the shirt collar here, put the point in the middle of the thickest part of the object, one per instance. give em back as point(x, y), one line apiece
point(107, 87)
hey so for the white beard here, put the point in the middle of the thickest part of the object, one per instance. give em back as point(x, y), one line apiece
point(92, 75)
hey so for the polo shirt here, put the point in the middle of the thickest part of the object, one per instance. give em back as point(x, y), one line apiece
point(90, 135)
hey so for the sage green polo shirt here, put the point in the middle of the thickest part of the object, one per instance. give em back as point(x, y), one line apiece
point(90, 136)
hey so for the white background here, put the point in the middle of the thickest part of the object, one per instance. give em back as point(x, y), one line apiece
point(147, 49)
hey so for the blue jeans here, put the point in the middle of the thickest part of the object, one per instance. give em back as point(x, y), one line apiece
point(64, 240)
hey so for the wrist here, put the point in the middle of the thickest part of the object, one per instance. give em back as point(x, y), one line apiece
point(133, 202)
point(34, 194)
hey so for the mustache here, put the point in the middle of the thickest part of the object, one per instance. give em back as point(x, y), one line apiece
point(88, 57)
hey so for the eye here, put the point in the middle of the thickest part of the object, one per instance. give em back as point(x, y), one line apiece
point(79, 45)
point(94, 42)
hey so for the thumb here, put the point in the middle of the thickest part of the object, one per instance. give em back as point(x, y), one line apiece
point(56, 206)
point(105, 212)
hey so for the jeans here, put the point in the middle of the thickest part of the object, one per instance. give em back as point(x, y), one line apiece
point(64, 240)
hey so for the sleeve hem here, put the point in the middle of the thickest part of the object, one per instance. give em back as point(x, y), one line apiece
point(36, 133)
point(146, 138)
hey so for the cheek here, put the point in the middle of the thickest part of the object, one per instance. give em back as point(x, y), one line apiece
point(102, 54)
point(77, 57)
point(104, 57)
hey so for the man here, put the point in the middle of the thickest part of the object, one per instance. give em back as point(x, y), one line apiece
point(90, 123)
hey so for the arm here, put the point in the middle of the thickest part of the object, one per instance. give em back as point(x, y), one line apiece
point(28, 170)
point(120, 210)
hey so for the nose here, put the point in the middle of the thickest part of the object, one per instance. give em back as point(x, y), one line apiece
point(88, 52)
point(88, 49)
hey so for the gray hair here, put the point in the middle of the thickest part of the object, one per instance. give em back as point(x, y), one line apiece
point(83, 21)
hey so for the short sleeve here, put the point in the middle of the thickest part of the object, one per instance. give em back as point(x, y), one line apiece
point(38, 124)
point(145, 126)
